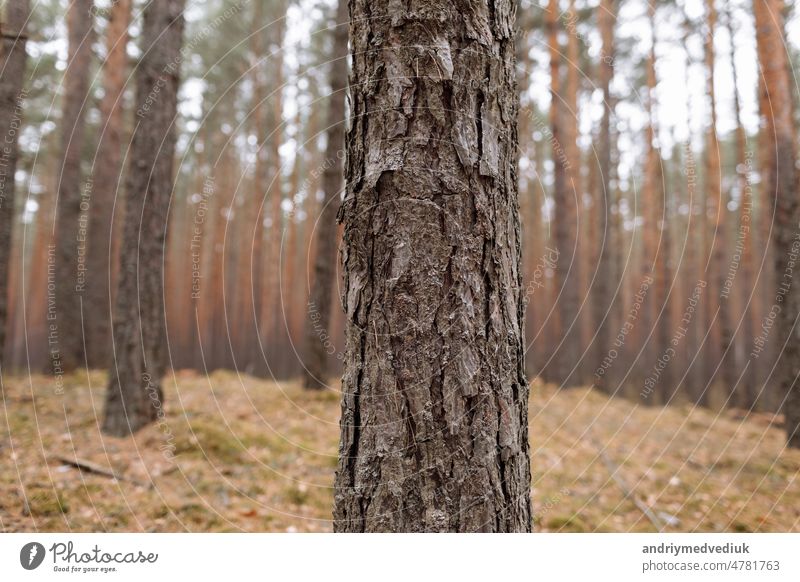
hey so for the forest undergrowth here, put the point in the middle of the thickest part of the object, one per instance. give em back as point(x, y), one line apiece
point(236, 453)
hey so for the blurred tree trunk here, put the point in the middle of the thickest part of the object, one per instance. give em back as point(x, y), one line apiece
point(656, 242)
point(320, 301)
point(780, 175)
point(575, 336)
point(68, 353)
point(607, 278)
point(12, 60)
point(717, 321)
point(434, 433)
point(271, 308)
point(745, 302)
point(566, 213)
point(254, 206)
point(107, 170)
point(134, 397)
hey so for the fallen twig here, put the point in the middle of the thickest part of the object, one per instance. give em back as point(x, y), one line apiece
point(627, 491)
point(90, 467)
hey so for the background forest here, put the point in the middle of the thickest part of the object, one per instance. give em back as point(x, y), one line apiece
point(647, 147)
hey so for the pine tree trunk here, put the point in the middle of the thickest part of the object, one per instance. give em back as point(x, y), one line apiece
point(606, 282)
point(272, 329)
point(434, 429)
point(12, 63)
point(69, 347)
point(781, 186)
point(134, 397)
point(566, 214)
point(744, 302)
point(318, 317)
point(107, 169)
point(717, 319)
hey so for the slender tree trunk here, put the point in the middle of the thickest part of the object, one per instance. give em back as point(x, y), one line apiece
point(434, 429)
point(654, 247)
point(781, 185)
point(576, 333)
point(320, 301)
point(107, 170)
point(69, 283)
point(747, 298)
point(255, 203)
point(606, 282)
point(134, 397)
point(12, 77)
point(271, 321)
point(715, 211)
point(566, 214)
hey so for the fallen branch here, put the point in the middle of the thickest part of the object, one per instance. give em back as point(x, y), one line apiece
point(626, 490)
point(90, 467)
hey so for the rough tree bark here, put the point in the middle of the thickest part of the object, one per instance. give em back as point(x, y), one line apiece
point(107, 168)
point(134, 397)
point(12, 69)
point(781, 187)
point(318, 317)
point(434, 429)
point(70, 192)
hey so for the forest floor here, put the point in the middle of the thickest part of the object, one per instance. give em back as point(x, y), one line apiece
point(255, 455)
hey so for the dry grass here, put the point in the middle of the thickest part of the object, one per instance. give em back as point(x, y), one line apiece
point(254, 455)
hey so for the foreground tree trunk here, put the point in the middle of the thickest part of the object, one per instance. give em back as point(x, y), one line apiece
point(12, 64)
point(107, 166)
point(134, 396)
point(434, 429)
point(318, 317)
point(780, 185)
point(69, 284)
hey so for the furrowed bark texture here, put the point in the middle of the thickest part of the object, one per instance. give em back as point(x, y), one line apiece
point(134, 397)
point(781, 187)
point(106, 178)
point(434, 429)
point(70, 189)
point(318, 316)
point(12, 65)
